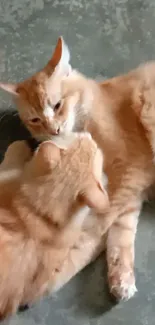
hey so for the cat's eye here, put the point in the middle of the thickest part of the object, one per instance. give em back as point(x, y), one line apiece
point(57, 106)
point(35, 120)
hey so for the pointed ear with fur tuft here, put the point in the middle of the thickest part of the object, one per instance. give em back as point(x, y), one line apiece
point(61, 57)
point(96, 197)
point(47, 155)
point(10, 88)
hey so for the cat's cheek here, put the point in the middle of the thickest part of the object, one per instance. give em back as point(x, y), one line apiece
point(70, 122)
point(68, 113)
point(35, 130)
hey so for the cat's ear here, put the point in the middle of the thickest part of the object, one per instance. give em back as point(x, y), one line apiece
point(10, 88)
point(96, 197)
point(61, 57)
point(48, 155)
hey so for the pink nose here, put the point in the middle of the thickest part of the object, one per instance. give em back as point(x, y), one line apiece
point(56, 131)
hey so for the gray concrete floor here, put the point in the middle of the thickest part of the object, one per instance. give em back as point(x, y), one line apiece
point(106, 37)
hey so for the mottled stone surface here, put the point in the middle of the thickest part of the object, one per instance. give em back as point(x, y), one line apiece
point(106, 37)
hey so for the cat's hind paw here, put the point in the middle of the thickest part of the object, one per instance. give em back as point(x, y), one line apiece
point(122, 286)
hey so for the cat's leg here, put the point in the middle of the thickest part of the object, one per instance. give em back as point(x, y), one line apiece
point(86, 250)
point(16, 155)
point(120, 250)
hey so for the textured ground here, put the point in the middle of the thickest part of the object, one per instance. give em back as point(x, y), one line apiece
point(106, 37)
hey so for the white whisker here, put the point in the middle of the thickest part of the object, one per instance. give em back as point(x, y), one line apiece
point(15, 114)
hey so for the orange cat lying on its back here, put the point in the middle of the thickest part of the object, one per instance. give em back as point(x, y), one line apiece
point(42, 210)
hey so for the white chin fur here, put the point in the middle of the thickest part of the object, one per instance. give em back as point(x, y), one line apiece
point(64, 141)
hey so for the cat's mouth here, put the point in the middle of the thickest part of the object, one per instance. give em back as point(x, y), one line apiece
point(50, 133)
point(58, 129)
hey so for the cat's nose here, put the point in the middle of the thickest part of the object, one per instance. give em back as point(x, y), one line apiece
point(56, 131)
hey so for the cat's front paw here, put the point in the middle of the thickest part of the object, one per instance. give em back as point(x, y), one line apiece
point(122, 284)
point(18, 152)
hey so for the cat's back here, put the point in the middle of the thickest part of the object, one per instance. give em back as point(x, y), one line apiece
point(116, 126)
point(123, 87)
point(145, 72)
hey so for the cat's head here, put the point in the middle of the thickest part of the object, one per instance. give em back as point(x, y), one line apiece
point(48, 101)
point(66, 175)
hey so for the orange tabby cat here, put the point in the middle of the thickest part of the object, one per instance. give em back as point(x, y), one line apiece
point(42, 211)
point(58, 99)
